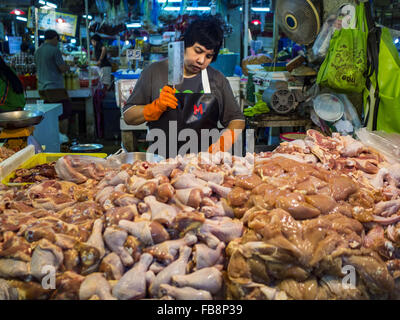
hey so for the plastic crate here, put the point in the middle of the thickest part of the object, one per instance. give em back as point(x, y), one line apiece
point(119, 75)
point(42, 158)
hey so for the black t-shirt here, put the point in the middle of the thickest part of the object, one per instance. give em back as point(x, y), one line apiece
point(155, 77)
point(104, 62)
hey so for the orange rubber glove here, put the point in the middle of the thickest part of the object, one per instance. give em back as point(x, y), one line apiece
point(225, 142)
point(155, 109)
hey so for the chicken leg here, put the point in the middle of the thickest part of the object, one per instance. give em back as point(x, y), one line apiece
point(132, 285)
point(186, 293)
point(167, 250)
point(115, 239)
point(161, 212)
point(96, 238)
point(208, 279)
point(175, 268)
point(95, 284)
point(204, 256)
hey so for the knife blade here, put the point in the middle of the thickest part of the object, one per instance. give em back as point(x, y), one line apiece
point(175, 63)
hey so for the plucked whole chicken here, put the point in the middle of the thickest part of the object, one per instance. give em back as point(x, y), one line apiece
point(317, 218)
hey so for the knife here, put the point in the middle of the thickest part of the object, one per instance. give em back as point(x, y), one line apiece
point(175, 63)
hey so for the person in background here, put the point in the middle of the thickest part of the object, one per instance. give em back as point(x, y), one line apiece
point(50, 67)
point(204, 98)
point(23, 57)
point(12, 96)
point(100, 52)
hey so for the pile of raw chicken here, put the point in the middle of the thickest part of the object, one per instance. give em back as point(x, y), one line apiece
point(5, 153)
point(287, 224)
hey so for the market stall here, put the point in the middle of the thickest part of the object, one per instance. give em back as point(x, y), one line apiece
point(304, 206)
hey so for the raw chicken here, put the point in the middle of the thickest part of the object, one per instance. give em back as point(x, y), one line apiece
point(115, 239)
point(133, 283)
point(45, 254)
point(204, 256)
point(167, 250)
point(186, 293)
point(95, 284)
point(96, 238)
point(208, 279)
point(112, 266)
point(175, 268)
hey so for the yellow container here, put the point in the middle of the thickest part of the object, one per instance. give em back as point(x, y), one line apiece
point(42, 158)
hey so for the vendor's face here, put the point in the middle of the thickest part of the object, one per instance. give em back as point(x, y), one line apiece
point(197, 58)
point(93, 42)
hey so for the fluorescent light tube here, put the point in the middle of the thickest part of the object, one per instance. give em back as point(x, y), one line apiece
point(259, 9)
point(169, 1)
point(133, 25)
point(52, 5)
point(22, 18)
point(187, 9)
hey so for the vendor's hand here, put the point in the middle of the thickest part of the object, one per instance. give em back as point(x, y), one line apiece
point(154, 110)
point(224, 143)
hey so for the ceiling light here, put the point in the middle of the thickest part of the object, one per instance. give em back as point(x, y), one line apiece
point(260, 9)
point(133, 25)
point(145, 38)
point(6, 38)
point(198, 8)
point(164, 1)
point(17, 12)
point(187, 9)
point(51, 5)
point(41, 37)
point(89, 17)
point(22, 18)
point(73, 40)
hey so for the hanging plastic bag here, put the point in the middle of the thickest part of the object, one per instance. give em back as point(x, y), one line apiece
point(321, 44)
point(350, 121)
point(344, 67)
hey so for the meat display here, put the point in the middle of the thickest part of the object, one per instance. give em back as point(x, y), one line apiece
point(37, 173)
point(314, 219)
point(5, 153)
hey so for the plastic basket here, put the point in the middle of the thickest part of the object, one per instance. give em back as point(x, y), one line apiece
point(42, 158)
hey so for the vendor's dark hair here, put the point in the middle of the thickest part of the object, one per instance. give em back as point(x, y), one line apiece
point(96, 38)
point(7, 74)
point(24, 46)
point(207, 31)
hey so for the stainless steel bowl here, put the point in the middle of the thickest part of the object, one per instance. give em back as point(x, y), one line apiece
point(20, 119)
point(131, 157)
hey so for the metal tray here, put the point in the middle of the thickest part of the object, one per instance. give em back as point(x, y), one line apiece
point(20, 119)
